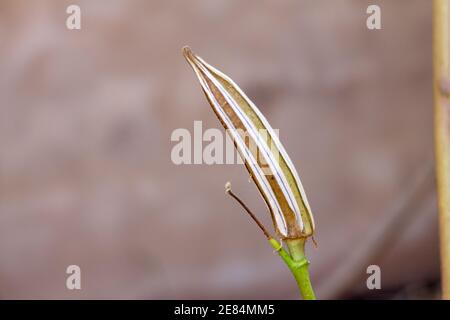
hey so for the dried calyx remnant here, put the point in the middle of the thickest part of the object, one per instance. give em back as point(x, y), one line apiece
point(265, 157)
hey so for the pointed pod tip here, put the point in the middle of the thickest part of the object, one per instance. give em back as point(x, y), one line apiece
point(187, 52)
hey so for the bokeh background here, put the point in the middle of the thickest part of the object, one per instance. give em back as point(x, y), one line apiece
point(86, 176)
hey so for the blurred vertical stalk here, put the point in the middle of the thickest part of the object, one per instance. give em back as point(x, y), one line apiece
point(442, 131)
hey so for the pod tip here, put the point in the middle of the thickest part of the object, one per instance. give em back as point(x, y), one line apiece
point(187, 52)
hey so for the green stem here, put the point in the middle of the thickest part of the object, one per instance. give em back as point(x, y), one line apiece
point(298, 264)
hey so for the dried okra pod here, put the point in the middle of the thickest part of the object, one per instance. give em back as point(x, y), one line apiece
point(264, 156)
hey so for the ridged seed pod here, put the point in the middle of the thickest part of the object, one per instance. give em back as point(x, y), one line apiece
point(264, 156)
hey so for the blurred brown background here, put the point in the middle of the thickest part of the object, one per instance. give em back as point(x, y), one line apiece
point(85, 122)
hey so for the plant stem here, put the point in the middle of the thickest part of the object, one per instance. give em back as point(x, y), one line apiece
point(441, 73)
point(298, 264)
